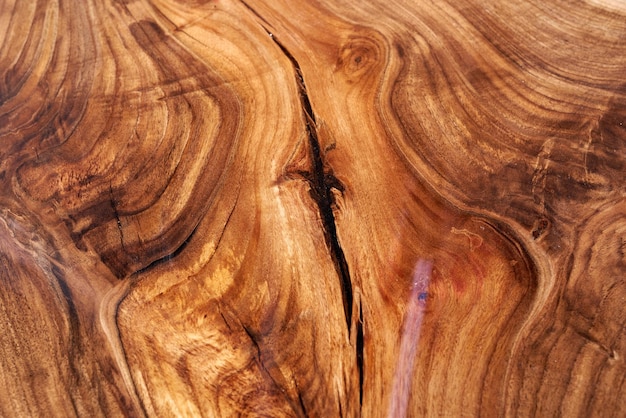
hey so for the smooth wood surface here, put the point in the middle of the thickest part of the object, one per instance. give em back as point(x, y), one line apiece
point(297, 208)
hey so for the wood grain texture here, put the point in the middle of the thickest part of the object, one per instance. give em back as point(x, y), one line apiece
point(225, 208)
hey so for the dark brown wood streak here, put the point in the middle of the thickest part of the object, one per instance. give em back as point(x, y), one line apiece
point(289, 208)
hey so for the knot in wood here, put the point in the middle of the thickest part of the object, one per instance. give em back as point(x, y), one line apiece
point(360, 57)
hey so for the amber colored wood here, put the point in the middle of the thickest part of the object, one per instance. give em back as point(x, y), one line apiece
point(320, 208)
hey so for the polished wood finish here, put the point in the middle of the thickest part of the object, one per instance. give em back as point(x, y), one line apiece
point(290, 208)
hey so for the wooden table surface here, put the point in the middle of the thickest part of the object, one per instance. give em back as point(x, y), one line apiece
point(312, 208)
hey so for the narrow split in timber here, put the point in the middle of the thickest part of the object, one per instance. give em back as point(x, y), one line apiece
point(322, 183)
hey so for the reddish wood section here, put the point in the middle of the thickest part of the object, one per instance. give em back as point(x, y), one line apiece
point(312, 208)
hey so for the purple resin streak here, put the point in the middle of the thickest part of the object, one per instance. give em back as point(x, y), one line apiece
point(410, 338)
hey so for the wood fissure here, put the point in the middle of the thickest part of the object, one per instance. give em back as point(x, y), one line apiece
point(360, 342)
point(169, 257)
point(322, 182)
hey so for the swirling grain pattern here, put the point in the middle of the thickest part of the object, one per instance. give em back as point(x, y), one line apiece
point(226, 208)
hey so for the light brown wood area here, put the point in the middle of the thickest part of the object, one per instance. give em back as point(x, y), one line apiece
point(312, 208)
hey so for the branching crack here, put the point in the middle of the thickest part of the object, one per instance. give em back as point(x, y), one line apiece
point(322, 183)
point(259, 355)
point(301, 399)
